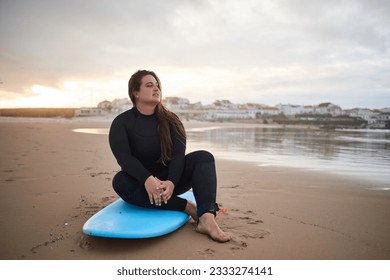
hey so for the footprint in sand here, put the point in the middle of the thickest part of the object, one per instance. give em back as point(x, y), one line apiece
point(251, 221)
point(244, 227)
point(8, 171)
point(209, 252)
point(84, 243)
point(237, 244)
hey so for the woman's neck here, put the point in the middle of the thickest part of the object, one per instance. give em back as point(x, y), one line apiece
point(146, 109)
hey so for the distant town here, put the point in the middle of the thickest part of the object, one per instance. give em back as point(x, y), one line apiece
point(325, 114)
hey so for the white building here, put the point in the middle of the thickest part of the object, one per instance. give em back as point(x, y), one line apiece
point(269, 111)
point(105, 105)
point(366, 114)
point(230, 114)
point(290, 110)
point(88, 112)
point(385, 110)
point(121, 105)
point(224, 104)
point(308, 109)
point(328, 108)
point(176, 103)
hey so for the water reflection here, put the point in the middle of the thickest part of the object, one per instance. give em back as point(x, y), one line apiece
point(364, 153)
point(360, 153)
point(100, 131)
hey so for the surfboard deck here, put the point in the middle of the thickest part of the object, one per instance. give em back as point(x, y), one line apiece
point(123, 220)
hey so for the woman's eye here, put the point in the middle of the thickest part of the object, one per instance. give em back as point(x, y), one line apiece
point(151, 85)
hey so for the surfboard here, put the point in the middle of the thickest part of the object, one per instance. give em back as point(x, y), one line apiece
point(123, 220)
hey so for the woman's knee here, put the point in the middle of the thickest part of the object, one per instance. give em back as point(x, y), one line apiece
point(125, 186)
point(203, 156)
point(120, 180)
point(117, 178)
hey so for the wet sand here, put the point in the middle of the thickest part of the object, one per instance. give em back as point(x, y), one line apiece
point(53, 179)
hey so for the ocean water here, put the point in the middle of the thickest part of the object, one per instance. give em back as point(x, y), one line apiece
point(361, 154)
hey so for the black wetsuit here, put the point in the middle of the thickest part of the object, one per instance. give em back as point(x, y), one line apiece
point(136, 146)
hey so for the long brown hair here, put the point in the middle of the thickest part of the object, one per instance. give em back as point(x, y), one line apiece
point(164, 116)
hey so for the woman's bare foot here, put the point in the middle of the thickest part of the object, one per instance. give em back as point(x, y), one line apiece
point(208, 225)
point(191, 210)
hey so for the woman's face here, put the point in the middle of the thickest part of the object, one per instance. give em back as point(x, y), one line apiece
point(149, 91)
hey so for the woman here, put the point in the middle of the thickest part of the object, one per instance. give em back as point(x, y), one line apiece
point(149, 142)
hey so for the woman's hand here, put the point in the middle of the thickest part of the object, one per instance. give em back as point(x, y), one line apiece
point(168, 188)
point(154, 188)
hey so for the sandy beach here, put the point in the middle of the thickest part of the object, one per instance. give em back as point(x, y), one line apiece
point(53, 179)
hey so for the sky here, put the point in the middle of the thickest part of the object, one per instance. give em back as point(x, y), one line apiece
point(303, 52)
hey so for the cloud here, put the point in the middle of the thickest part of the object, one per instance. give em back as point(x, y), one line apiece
point(270, 51)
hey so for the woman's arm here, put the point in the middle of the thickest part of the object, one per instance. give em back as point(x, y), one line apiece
point(176, 165)
point(121, 149)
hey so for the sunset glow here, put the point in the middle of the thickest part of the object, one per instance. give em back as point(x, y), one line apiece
point(269, 52)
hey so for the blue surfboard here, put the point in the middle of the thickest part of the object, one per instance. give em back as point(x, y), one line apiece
point(124, 220)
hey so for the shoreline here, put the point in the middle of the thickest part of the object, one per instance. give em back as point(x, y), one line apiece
point(246, 157)
point(190, 123)
point(53, 180)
